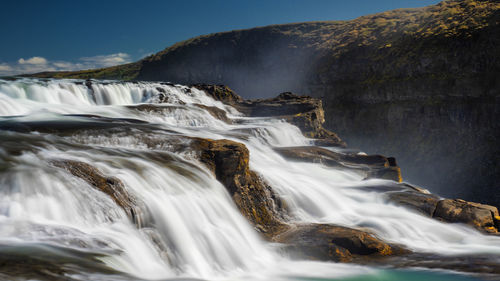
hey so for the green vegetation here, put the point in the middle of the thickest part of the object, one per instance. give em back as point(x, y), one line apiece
point(120, 72)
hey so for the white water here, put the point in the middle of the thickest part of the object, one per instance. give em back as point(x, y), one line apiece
point(201, 233)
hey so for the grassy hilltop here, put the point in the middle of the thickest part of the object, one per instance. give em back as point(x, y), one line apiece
point(400, 37)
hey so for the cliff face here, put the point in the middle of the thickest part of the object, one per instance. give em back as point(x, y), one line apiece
point(419, 84)
point(451, 147)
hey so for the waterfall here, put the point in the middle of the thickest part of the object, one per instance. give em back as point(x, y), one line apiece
point(193, 228)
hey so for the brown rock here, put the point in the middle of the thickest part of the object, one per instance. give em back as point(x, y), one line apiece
point(388, 173)
point(331, 242)
point(480, 216)
point(228, 160)
point(459, 211)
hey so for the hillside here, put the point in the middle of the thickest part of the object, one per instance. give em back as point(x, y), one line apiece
point(315, 49)
point(419, 84)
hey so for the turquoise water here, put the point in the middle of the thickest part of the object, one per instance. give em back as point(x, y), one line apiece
point(401, 275)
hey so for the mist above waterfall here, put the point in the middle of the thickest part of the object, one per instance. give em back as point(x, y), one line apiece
point(258, 64)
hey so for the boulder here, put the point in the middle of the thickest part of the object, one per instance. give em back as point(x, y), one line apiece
point(332, 242)
point(483, 217)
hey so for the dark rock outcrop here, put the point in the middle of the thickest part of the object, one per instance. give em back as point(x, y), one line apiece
point(305, 112)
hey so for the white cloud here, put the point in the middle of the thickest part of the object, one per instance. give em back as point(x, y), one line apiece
point(33, 60)
point(40, 64)
point(66, 65)
point(108, 60)
point(5, 67)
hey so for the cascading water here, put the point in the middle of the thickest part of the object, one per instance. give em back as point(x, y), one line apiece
point(194, 230)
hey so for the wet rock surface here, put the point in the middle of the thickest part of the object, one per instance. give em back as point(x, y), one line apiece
point(228, 160)
point(79, 122)
point(111, 186)
point(481, 216)
point(162, 109)
point(420, 202)
point(220, 92)
point(333, 242)
point(372, 166)
point(485, 267)
point(49, 262)
point(215, 112)
point(305, 112)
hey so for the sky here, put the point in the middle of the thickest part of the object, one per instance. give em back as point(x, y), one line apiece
point(75, 34)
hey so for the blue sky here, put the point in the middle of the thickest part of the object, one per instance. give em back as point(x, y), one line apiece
point(74, 34)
